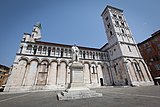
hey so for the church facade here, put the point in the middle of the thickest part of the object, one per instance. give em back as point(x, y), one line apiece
point(43, 65)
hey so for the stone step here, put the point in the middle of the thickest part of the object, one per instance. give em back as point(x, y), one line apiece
point(77, 95)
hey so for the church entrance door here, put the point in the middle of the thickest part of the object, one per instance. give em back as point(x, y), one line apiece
point(101, 81)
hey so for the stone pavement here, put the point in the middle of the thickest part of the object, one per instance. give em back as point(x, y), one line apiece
point(148, 96)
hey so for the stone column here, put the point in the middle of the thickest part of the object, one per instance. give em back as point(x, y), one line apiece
point(128, 73)
point(38, 70)
point(61, 74)
point(52, 74)
point(30, 77)
point(134, 70)
point(97, 74)
point(68, 73)
point(27, 67)
point(99, 71)
point(87, 74)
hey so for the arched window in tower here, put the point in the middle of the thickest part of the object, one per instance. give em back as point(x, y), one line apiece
point(21, 48)
point(129, 49)
point(114, 15)
point(111, 33)
point(120, 17)
point(109, 25)
point(115, 68)
point(122, 23)
point(122, 30)
point(117, 23)
point(106, 18)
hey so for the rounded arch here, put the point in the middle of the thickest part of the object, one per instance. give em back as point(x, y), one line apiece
point(35, 59)
point(54, 60)
point(45, 59)
point(65, 61)
point(70, 61)
point(106, 63)
point(144, 70)
point(23, 58)
point(128, 60)
point(101, 64)
point(94, 63)
point(134, 60)
point(141, 61)
point(86, 62)
point(93, 68)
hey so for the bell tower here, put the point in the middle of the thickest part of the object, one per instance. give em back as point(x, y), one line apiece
point(119, 36)
point(126, 62)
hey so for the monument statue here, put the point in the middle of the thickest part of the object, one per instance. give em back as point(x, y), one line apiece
point(77, 88)
point(75, 53)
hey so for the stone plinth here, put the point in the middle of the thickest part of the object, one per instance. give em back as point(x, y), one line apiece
point(77, 88)
point(77, 76)
point(78, 94)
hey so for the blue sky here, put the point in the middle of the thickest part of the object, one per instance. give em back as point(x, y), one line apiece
point(70, 21)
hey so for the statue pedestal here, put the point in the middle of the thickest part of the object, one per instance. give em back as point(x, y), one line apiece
point(77, 89)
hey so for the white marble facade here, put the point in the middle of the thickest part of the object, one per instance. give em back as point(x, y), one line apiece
point(43, 65)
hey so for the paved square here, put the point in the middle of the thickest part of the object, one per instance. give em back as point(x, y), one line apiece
point(148, 96)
